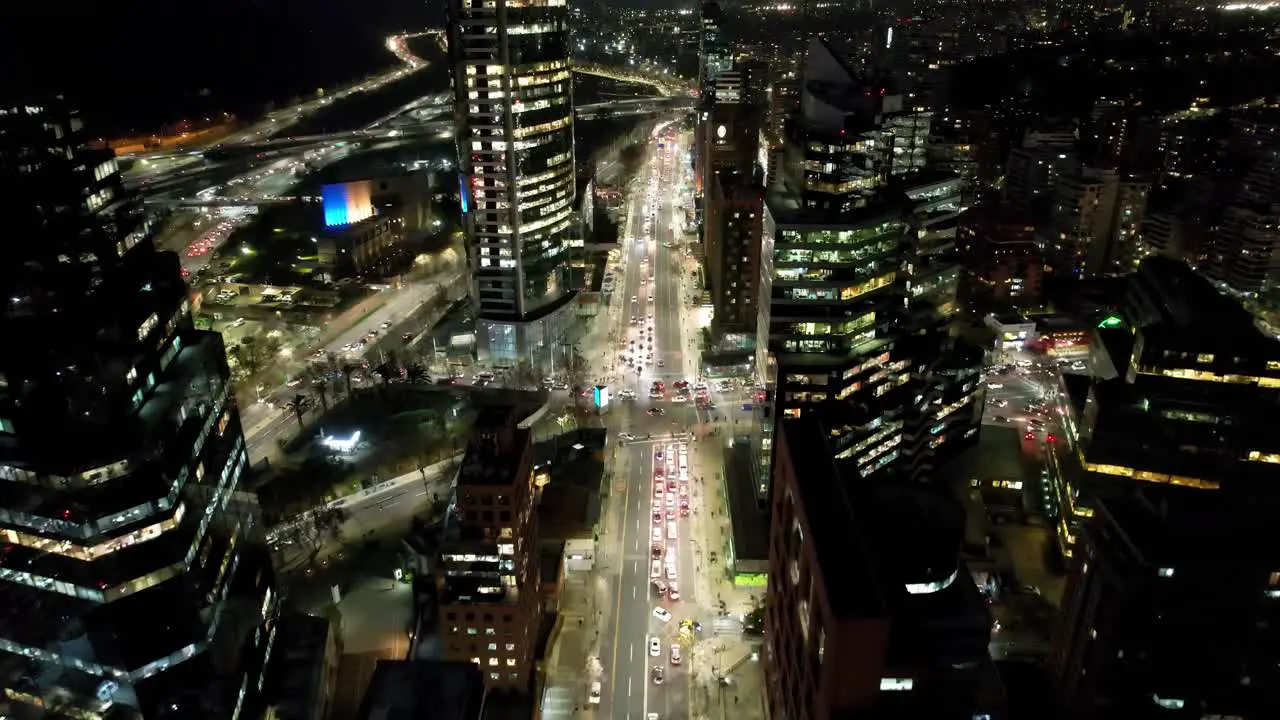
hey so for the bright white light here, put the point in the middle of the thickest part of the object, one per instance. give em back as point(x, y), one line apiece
point(342, 445)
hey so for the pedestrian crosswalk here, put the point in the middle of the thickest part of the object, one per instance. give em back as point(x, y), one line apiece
point(726, 626)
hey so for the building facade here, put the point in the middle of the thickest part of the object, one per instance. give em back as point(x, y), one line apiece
point(852, 326)
point(1154, 623)
point(134, 582)
point(513, 111)
point(1182, 394)
point(870, 612)
point(487, 580)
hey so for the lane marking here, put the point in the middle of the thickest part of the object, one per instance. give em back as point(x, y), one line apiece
point(628, 687)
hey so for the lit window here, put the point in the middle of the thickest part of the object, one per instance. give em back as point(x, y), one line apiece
point(1166, 572)
point(493, 662)
point(892, 684)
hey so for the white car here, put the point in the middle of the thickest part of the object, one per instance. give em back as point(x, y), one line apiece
point(655, 647)
point(679, 398)
point(593, 697)
point(626, 436)
point(662, 614)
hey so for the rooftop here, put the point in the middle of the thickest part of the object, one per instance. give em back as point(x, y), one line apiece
point(496, 448)
point(872, 540)
point(1178, 308)
point(423, 690)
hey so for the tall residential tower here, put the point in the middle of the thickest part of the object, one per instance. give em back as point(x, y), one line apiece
point(129, 587)
point(513, 110)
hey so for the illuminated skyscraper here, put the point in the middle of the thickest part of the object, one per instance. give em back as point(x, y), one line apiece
point(130, 587)
point(513, 109)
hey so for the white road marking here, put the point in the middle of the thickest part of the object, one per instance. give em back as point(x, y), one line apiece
point(628, 687)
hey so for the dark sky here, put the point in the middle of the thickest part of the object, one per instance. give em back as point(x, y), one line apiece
point(140, 63)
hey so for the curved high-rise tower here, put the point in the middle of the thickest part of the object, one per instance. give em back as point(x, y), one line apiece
point(513, 108)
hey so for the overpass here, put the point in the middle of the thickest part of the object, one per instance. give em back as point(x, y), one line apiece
point(629, 106)
point(438, 128)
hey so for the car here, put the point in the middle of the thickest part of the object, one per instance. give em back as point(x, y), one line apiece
point(655, 647)
point(1000, 403)
point(593, 695)
point(1029, 436)
point(662, 614)
point(653, 411)
point(655, 552)
point(995, 385)
point(657, 674)
point(675, 654)
point(1000, 418)
point(671, 514)
point(657, 534)
point(671, 571)
point(657, 516)
point(626, 436)
point(662, 363)
point(650, 298)
point(673, 592)
point(406, 337)
point(633, 298)
point(678, 398)
point(655, 569)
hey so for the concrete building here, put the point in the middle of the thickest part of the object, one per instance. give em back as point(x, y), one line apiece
point(734, 228)
point(375, 246)
point(870, 611)
point(1170, 610)
point(1094, 222)
point(488, 580)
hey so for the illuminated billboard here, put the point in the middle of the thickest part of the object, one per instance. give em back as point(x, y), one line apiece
point(347, 203)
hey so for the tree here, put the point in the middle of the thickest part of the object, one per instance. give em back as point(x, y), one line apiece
point(348, 370)
point(415, 372)
point(299, 405)
point(322, 387)
point(249, 355)
point(385, 371)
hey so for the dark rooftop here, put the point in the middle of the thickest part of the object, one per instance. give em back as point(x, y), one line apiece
point(496, 448)
point(750, 523)
point(871, 539)
point(1187, 525)
point(423, 690)
point(1178, 307)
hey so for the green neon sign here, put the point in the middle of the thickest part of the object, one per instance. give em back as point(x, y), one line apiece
point(1111, 322)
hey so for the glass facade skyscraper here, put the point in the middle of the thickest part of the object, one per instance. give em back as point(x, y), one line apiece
point(129, 585)
point(513, 111)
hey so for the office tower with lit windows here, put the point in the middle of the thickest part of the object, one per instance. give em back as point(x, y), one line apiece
point(513, 111)
point(131, 584)
point(852, 327)
point(1182, 393)
point(487, 580)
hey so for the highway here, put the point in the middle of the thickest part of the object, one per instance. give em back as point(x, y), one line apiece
point(648, 268)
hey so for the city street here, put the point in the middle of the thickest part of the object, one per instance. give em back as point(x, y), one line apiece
point(653, 588)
